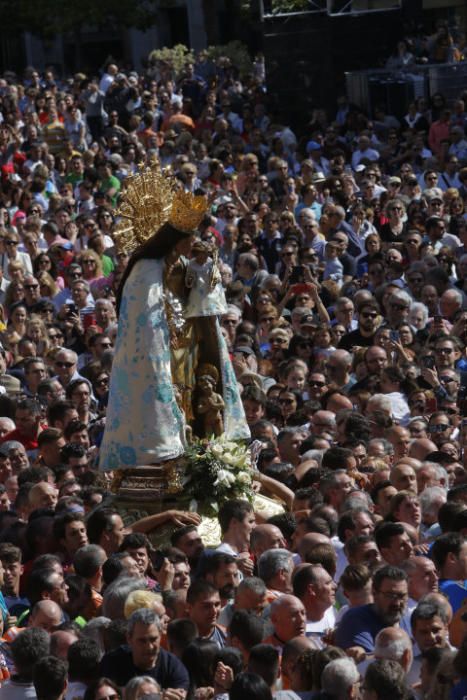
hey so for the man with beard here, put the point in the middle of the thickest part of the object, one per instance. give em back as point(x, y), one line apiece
point(221, 570)
point(359, 626)
point(368, 322)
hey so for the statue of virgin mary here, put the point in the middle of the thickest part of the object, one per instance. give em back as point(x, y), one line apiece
point(158, 350)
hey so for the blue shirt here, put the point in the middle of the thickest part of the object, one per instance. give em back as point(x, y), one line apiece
point(359, 627)
point(455, 592)
point(459, 692)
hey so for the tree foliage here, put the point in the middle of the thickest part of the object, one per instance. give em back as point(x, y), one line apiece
point(46, 18)
point(177, 56)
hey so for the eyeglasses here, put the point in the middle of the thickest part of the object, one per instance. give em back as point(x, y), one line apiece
point(10, 242)
point(316, 383)
point(74, 275)
point(64, 364)
point(446, 380)
point(102, 382)
point(440, 428)
point(396, 209)
point(89, 262)
point(287, 402)
point(288, 253)
point(393, 596)
point(106, 345)
point(444, 351)
point(31, 286)
point(399, 307)
point(368, 314)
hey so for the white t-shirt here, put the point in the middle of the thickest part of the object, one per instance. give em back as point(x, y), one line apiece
point(316, 630)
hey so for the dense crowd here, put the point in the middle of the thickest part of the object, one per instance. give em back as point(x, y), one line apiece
point(343, 256)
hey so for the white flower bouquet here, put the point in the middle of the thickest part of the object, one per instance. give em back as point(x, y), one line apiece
point(216, 471)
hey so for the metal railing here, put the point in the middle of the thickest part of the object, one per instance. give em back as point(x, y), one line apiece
point(449, 79)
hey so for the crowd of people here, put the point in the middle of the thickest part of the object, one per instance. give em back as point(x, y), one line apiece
point(343, 254)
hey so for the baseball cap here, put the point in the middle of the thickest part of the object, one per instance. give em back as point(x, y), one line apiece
point(244, 349)
point(313, 146)
point(308, 320)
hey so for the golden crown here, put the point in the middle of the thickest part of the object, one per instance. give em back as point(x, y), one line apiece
point(187, 211)
point(149, 199)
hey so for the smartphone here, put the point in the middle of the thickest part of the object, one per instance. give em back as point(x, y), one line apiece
point(72, 309)
point(89, 319)
point(300, 288)
point(298, 274)
point(157, 559)
point(428, 362)
point(394, 336)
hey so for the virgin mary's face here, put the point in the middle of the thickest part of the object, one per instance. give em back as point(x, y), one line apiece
point(183, 247)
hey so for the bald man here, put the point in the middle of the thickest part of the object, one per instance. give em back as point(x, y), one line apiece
point(288, 619)
point(291, 651)
point(264, 537)
point(339, 402)
point(421, 447)
point(309, 541)
point(61, 641)
point(400, 439)
point(43, 495)
point(46, 615)
point(394, 643)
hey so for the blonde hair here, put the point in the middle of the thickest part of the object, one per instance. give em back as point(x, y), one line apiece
point(44, 278)
point(140, 599)
point(90, 253)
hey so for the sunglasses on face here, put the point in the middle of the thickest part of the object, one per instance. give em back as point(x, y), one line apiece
point(369, 315)
point(64, 364)
point(440, 428)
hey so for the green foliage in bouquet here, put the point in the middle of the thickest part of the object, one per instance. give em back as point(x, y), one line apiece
point(216, 471)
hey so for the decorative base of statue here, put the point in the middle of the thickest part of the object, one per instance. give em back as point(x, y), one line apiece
point(152, 489)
